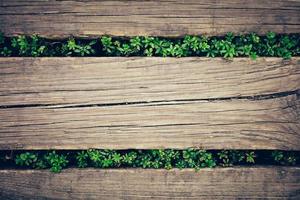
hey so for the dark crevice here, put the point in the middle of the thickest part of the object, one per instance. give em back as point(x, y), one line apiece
point(149, 103)
point(143, 158)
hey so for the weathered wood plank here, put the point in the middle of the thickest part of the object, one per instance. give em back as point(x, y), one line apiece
point(120, 103)
point(83, 81)
point(220, 124)
point(159, 18)
point(219, 183)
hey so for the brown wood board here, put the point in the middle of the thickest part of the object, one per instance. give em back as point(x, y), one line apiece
point(157, 18)
point(230, 124)
point(217, 183)
point(121, 103)
point(117, 80)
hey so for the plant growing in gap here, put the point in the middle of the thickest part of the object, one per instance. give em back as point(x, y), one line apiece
point(283, 158)
point(28, 46)
point(155, 158)
point(76, 48)
point(55, 161)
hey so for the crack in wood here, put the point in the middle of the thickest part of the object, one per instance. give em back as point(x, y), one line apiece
point(169, 102)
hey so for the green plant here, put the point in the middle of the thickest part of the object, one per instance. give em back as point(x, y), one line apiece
point(30, 160)
point(156, 158)
point(4, 51)
point(26, 159)
point(108, 45)
point(284, 158)
point(206, 159)
point(290, 160)
point(55, 161)
point(224, 158)
point(230, 157)
point(195, 45)
point(104, 158)
point(191, 43)
point(116, 158)
point(230, 46)
point(250, 157)
point(28, 46)
point(144, 161)
point(74, 48)
point(225, 48)
point(129, 158)
point(96, 157)
point(285, 46)
point(40, 164)
point(136, 44)
point(82, 159)
point(197, 159)
point(124, 49)
point(190, 158)
point(164, 158)
point(149, 45)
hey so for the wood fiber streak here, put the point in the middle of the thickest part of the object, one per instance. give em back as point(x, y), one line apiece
point(157, 18)
point(219, 183)
point(86, 81)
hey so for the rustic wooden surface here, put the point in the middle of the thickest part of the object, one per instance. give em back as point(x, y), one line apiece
point(121, 103)
point(160, 18)
point(232, 124)
point(85, 81)
point(219, 183)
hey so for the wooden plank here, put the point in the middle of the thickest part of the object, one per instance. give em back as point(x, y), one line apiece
point(217, 183)
point(121, 103)
point(157, 18)
point(219, 124)
point(112, 80)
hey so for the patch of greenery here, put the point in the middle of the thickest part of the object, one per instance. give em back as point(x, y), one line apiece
point(74, 48)
point(156, 158)
point(284, 158)
point(228, 46)
point(26, 159)
point(229, 158)
point(56, 162)
point(28, 46)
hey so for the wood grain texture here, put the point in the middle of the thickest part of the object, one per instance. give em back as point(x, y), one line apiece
point(146, 103)
point(218, 183)
point(158, 18)
point(114, 80)
point(220, 124)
